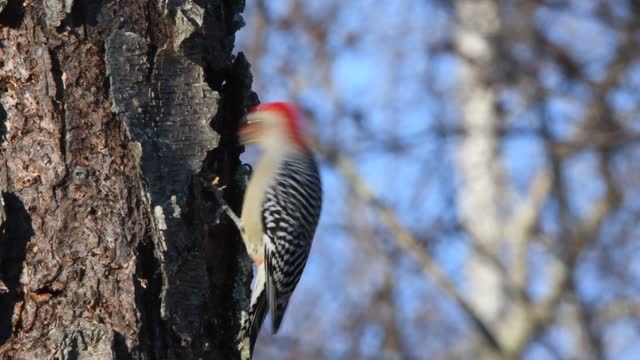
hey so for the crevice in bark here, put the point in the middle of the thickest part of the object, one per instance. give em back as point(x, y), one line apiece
point(13, 249)
point(120, 348)
point(84, 13)
point(47, 291)
point(73, 351)
point(12, 14)
point(236, 96)
point(156, 33)
point(148, 290)
point(58, 104)
point(56, 71)
point(3, 120)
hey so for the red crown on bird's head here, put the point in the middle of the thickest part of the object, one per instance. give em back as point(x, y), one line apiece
point(292, 115)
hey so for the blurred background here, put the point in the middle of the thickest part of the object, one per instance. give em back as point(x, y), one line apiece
point(481, 166)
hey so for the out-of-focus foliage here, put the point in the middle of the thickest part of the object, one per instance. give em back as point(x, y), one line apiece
point(501, 144)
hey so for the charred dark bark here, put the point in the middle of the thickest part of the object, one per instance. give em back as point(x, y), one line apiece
point(114, 118)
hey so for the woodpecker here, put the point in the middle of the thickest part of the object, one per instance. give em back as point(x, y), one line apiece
point(280, 210)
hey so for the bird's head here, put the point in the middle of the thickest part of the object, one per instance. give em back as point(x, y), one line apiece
point(276, 123)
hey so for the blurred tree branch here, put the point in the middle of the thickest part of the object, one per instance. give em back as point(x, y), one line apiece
point(406, 241)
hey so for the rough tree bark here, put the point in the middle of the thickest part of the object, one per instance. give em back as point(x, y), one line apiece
point(114, 117)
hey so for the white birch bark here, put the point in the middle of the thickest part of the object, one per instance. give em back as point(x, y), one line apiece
point(479, 166)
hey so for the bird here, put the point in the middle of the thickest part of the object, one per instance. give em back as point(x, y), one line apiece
point(280, 210)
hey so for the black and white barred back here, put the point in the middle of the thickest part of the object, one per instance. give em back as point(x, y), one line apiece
point(290, 217)
point(291, 210)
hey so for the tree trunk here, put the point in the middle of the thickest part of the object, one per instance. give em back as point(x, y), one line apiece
point(114, 118)
point(482, 177)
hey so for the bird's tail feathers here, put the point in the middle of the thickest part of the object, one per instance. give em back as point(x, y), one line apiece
point(258, 308)
point(252, 321)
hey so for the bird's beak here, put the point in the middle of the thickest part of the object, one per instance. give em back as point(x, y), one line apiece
point(249, 129)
